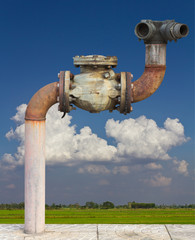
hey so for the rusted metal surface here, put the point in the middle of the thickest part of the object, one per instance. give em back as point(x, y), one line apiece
point(64, 87)
point(125, 98)
point(95, 60)
point(128, 98)
point(34, 176)
point(35, 157)
point(148, 83)
point(41, 102)
point(123, 92)
point(155, 66)
point(95, 91)
point(61, 91)
point(94, 88)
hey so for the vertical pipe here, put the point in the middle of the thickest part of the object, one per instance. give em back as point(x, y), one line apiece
point(34, 176)
point(35, 157)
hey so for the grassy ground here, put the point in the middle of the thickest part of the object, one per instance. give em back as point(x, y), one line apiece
point(123, 216)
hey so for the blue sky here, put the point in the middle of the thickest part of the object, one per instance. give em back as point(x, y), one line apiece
point(39, 39)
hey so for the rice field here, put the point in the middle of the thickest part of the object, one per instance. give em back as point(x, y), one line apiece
point(109, 216)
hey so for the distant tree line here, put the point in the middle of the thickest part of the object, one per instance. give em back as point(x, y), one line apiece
point(93, 205)
point(141, 205)
point(9, 206)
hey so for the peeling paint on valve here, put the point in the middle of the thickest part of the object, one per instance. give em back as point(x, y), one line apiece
point(97, 88)
point(94, 88)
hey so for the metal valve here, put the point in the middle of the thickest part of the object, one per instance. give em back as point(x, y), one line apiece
point(96, 88)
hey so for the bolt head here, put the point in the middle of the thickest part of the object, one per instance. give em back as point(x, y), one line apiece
point(118, 86)
point(107, 75)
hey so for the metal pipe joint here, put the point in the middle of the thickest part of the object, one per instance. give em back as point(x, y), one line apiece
point(160, 32)
point(96, 88)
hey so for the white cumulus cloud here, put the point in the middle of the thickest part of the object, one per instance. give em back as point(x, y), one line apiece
point(63, 144)
point(139, 138)
point(142, 138)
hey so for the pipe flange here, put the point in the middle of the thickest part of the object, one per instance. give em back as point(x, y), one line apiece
point(95, 60)
point(125, 100)
point(64, 87)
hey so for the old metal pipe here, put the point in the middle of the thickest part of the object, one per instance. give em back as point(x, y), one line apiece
point(41, 102)
point(95, 89)
point(34, 176)
point(144, 30)
point(155, 66)
point(35, 157)
point(156, 35)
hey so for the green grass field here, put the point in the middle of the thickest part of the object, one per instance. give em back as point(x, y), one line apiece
point(123, 216)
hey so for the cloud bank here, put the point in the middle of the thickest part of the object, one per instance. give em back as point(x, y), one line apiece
point(142, 138)
point(136, 139)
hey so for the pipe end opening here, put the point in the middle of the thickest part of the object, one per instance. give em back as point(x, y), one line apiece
point(184, 30)
point(142, 30)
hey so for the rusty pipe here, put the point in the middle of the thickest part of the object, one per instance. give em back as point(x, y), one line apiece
point(41, 102)
point(35, 157)
point(155, 66)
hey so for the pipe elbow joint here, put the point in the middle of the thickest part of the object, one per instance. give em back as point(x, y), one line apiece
point(155, 35)
point(42, 100)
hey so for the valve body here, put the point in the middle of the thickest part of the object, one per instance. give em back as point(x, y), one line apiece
point(96, 88)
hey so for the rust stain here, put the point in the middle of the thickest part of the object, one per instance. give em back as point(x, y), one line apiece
point(35, 131)
point(148, 83)
point(41, 102)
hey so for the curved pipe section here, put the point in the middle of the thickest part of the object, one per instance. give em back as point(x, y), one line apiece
point(155, 66)
point(41, 102)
